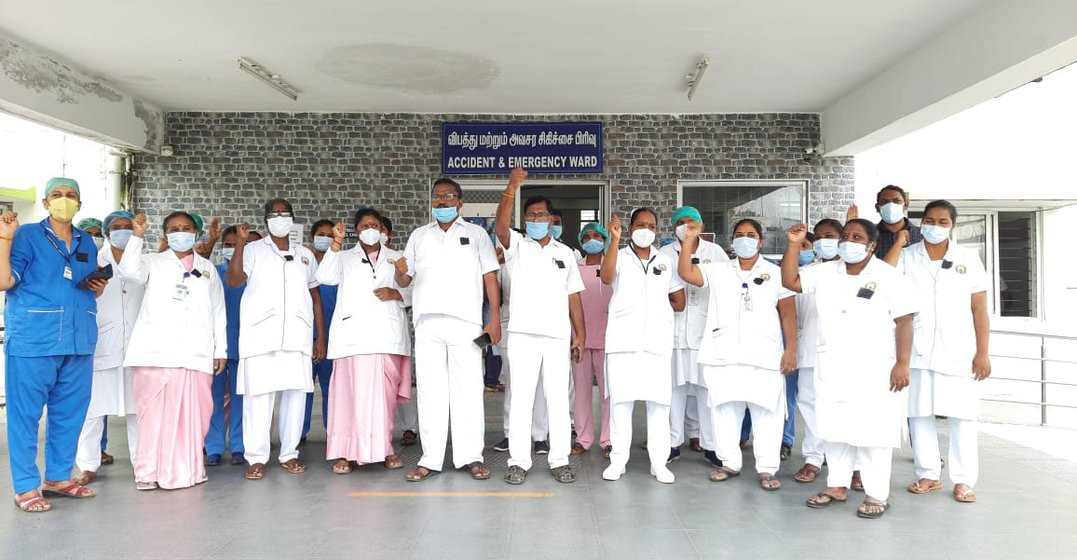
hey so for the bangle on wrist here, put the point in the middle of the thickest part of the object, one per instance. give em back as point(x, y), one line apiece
point(7, 238)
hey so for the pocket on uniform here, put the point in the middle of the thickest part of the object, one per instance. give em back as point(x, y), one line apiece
point(42, 324)
point(263, 318)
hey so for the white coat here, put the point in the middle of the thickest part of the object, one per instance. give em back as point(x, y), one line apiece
point(277, 312)
point(117, 310)
point(945, 337)
point(175, 333)
point(689, 325)
point(362, 323)
point(855, 351)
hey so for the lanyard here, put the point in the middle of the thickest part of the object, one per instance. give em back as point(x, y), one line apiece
point(370, 259)
point(65, 255)
point(641, 263)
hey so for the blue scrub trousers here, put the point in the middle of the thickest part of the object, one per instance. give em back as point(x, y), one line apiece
point(61, 383)
point(322, 371)
point(789, 434)
point(226, 381)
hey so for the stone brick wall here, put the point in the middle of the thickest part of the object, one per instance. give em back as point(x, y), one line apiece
point(329, 164)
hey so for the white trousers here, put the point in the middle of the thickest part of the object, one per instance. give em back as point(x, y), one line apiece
point(540, 419)
point(539, 361)
point(657, 433)
point(448, 372)
point(873, 463)
point(407, 416)
point(690, 416)
point(767, 428)
point(258, 424)
point(964, 455)
point(88, 456)
point(811, 446)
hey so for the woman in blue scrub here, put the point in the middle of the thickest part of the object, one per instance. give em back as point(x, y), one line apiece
point(51, 326)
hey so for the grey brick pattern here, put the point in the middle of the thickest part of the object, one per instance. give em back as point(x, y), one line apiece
point(329, 164)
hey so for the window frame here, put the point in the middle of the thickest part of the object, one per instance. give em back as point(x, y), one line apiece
point(803, 184)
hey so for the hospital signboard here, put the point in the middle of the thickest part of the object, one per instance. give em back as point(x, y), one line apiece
point(497, 148)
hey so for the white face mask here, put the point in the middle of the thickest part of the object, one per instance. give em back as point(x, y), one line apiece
point(852, 253)
point(681, 231)
point(227, 252)
point(642, 237)
point(745, 247)
point(99, 242)
point(935, 234)
point(826, 248)
point(892, 212)
point(280, 226)
point(383, 238)
point(370, 236)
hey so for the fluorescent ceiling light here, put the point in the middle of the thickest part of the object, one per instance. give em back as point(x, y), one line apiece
point(694, 77)
point(272, 80)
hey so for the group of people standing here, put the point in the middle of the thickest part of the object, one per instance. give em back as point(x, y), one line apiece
point(166, 338)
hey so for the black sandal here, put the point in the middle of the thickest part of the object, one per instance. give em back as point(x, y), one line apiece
point(862, 511)
point(822, 500)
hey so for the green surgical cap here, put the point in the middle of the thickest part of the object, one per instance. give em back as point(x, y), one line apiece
point(89, 223)
point(595, 226)
point(685, 211)
point(60, 182)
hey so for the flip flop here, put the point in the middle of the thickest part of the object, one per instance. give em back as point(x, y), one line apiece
point(817, 500)
point(394, 462)
point(69, 490)
point(342, 466)
point(26, 503)
point(862, 513)
point(419, 474)
point(294, 466)
point(857, 483)
point(963, 493)
point(85, 477)
point(768, 478)
point(807, 473)
point(476, 468)
point(723, 474)
point(256, 471)
point(916, 488)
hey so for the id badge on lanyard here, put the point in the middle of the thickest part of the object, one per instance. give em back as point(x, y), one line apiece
point(69, 274)
point(181, 292)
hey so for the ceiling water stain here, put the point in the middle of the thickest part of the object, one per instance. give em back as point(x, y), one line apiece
point(408, 68)
point(47, 75)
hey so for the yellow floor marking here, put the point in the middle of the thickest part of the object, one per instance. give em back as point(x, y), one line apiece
point(451, 494)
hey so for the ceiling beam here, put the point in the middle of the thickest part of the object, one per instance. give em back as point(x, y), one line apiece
point(1003, 46)
point(39, 87)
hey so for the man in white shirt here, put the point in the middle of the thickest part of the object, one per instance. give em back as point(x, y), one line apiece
point(545, 311)
point(451, 265)
point(280, 316)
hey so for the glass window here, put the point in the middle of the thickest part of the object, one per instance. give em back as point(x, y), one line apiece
point(776, 206)
point(1017, 264)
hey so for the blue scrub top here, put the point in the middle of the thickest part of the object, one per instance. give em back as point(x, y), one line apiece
point(329, 303)
point(47, 314)
point(232, 297)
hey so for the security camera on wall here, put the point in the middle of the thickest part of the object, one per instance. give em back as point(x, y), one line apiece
point(167, 151)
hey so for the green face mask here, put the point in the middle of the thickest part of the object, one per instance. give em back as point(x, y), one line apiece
point(63, 209)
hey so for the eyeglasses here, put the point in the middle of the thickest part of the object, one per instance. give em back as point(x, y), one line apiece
point(537, 215)
point(447, 197)
point(272, 215)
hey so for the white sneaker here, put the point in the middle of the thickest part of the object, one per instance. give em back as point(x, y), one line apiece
point(663, 475)
point(613, 472)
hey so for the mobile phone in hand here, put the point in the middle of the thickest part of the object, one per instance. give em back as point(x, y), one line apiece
point(483, 341)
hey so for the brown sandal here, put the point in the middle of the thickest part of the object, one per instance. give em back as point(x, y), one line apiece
point(857, 483)
point(68, 490)
point(294, 466)
point(918, 487)
point(807, 473)
point(394, 462)
point(479, 470)
point(342, 466)
point(419, 474)
point(963, 493)
point(769, 483)
point(723, 474)
point(84, 478)
point(256, 471)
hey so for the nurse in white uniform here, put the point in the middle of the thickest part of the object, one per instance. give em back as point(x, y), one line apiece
point(639, 341)
point(545, 330)
point(863, 347)
point(113, 391)
point(688, 327)
point(825, 249)
point(452, 265)
point(949, 351)
point(280, 316)
point(749, 313)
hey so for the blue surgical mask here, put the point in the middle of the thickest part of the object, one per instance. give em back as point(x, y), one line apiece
point(444, 215)
point(826, 248)
point(746, 247)
point(118, 238)
point(537, 230)
point(227, 252)
point(181, 241)
point(806, 256)
point(852, 253)
point(593, 246)
point(555, 231)
point(935, 234)
point(322, 243)
point(892, 212)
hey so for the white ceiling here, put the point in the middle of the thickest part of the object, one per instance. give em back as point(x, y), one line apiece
point(555, 56)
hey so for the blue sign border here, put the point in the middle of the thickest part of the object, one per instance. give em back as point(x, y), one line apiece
point(485, 148)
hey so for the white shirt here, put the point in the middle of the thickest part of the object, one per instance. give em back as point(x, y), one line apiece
point(734, 333)
point(807, 329)
point(177, 327)
point(362, 323)
point(944, 338)
point(117, 311)
point(688, 325)
point(277, 312)
point(545, 277)
point(641, 317)
point(446, 268)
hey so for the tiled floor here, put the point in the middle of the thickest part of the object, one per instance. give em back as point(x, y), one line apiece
point(1026, 510)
